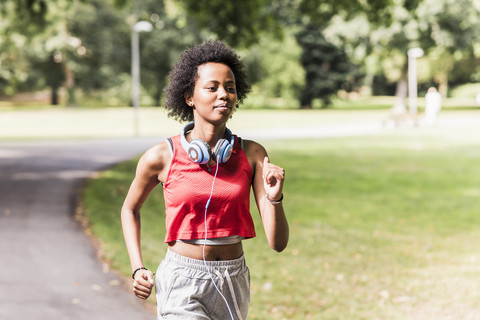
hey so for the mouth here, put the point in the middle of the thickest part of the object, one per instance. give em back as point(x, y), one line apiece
point(222, 107)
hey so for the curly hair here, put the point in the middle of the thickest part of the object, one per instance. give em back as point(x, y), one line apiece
point(185, 72)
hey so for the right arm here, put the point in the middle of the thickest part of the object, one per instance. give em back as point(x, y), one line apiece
point(151, 169)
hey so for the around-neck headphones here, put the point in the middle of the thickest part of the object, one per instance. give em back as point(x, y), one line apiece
point(199, 151)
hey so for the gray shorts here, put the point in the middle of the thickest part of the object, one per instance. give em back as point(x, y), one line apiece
point(185, 289)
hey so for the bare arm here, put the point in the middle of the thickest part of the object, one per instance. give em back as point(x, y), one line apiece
point(268, 182)
point(151, 168)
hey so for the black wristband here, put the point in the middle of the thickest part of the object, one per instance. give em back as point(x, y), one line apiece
point(274, 201)
point(141, 268)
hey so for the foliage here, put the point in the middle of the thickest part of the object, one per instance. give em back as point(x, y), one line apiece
point(239, 23)
point(14, 35)
point(446, 30)
point(102, 48)
point(161, 47)
point(324, 73)
point(32, 48)
point(33, 11)
point(88, 42)
point(275, 71)
point(454, 28)
point(325, 63)
point(295, 12)
point(470, 90)
point(326, 66)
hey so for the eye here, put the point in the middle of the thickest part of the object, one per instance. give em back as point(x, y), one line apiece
point(231, 89)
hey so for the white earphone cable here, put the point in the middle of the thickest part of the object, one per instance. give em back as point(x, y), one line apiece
point(205, 242)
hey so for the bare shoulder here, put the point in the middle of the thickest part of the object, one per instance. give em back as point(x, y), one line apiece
point(254, 151)
point(156, 160)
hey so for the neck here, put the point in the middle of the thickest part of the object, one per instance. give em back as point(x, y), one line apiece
point(208, 133)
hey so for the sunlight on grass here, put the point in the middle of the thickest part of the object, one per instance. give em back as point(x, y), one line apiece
point(119, 122)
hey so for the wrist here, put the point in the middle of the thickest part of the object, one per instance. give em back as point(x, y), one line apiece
point(136, 270)
point(272, 201)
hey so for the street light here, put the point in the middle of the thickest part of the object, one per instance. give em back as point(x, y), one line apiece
point(141, 26)
point(413, 54)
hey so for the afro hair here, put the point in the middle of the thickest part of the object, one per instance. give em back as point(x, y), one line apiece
point(185, 72)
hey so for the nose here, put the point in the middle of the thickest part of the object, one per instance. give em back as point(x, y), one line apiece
point(222, 93)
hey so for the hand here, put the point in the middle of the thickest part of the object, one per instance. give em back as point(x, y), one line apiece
point(273, 177)
point(143, 284)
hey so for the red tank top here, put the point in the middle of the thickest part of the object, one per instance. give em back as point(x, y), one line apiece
point(187, 190)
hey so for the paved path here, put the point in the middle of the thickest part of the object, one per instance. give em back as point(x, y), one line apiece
point(49, 269)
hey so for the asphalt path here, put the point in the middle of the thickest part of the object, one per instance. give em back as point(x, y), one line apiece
point(49, 267)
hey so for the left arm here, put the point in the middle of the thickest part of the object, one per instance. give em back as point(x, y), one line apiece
point(267, 185)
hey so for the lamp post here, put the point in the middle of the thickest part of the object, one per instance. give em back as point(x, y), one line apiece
point(413, 54)
point(141, 26)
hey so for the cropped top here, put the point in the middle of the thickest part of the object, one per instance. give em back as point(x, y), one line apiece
point(187, 189)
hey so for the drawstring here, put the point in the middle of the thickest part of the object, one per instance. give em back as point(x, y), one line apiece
point(230, 286)
point(227, 275)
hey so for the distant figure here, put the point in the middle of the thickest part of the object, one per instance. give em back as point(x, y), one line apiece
point(433, 104)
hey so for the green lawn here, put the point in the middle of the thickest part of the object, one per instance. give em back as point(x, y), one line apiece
point(382, 227)
point(47, 122)
point(60, 123)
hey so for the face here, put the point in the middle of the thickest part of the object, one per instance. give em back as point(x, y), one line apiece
point(214, 95)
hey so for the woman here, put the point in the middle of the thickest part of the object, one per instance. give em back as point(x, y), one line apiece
point(206, 173)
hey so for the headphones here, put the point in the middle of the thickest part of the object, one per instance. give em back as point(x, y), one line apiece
point(199, 151)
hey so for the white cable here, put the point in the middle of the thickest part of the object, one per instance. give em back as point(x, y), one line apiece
point(205, 242)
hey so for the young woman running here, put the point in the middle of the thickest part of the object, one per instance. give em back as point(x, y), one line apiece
point(206, 173)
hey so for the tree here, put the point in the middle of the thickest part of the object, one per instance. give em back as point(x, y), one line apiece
point(161, 47)
point(326, 66)
point(161, 50)
point(89, 40)
point(447, 32)
point(16, 36)
point(452, 32)
point(274, 70)
point(35, 47)
point(102, 49)
point(53, 74)
point(241, 23)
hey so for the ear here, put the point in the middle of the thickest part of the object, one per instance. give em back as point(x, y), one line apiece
point(189, 100)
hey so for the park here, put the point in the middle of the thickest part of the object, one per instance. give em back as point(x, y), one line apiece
point(381, 196)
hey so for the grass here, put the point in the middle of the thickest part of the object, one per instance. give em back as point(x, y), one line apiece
point(382, 227)
point(68, 123)
point(47, 122)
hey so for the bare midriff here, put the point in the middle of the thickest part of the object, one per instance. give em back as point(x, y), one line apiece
point(212, 253)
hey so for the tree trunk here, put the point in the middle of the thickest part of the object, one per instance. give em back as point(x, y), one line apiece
point(157, 97)
point(70, 85)
point(400, 106)
point(306, 106)
point(305, 99)
point(54, 96)
point(442, 80)
point(305, 103)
